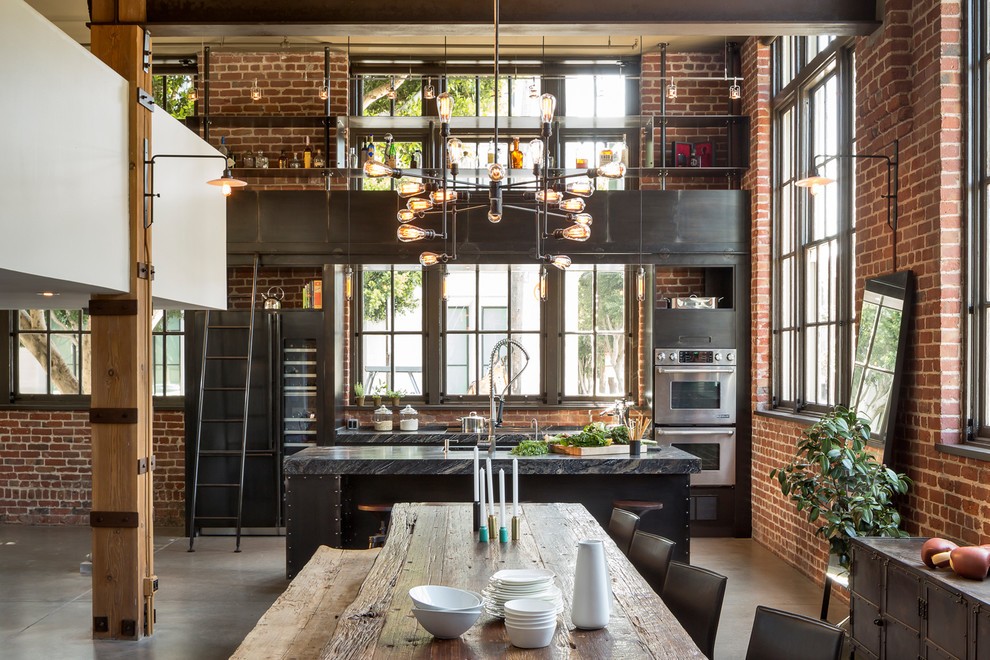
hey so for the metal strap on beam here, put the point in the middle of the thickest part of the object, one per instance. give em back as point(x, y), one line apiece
point(125, 307)
point(113, 415)
point(114, 519)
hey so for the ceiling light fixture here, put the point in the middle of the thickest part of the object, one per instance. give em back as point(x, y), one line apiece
point(325, 90)
point(542, 195)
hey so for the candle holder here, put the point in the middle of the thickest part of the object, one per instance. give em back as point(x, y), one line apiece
point(515, 528)
point(476, 515)
point(483, 534)
point(492, 527)
point(503, 535)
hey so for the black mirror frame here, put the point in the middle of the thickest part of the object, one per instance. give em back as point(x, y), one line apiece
point(896, 285)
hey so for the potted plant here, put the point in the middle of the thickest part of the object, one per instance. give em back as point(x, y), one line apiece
point(840, 485)
point(359, 393)
point(395, 395)
point(377, 396)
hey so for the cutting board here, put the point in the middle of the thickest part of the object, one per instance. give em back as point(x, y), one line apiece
point(590, 451)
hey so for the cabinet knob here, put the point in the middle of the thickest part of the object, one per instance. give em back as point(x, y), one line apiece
point(878, 622)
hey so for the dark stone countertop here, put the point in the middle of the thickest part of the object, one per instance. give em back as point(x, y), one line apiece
point(432, 435)
point(391, 459)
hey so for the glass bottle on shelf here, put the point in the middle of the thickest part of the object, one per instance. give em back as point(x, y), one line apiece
point(295, 163)
point(231, 159)
point(261, 160)
point(307, 155)
point(491, 151)
point(318, 158)
point(283, 162)
point(248, 160)
point(408, 419)
point(223, 146)
point(390, 151)
point(515, 156)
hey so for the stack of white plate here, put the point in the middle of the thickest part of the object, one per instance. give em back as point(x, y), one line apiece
point(530, 622)
point(512, 583)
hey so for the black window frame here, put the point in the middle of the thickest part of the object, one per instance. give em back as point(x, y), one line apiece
point(794, 95)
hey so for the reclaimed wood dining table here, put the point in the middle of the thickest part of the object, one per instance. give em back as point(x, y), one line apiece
point(433, 543)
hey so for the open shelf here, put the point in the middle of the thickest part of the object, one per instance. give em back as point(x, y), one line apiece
point(261, 121)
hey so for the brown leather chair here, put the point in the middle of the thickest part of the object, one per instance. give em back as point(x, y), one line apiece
point(621, 527)
point(651, 554)
point(779, 635)
point(694, 595)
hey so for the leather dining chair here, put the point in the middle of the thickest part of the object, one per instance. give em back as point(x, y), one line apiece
point(694, 595)
point(777, 635)
point(651, 554)
point(621, 527)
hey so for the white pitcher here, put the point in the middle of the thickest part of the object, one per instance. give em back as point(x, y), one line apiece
point(591, 605)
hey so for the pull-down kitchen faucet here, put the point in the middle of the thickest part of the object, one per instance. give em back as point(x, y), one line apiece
point(495, 416)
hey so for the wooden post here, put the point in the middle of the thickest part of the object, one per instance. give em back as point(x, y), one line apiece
point(123, 567)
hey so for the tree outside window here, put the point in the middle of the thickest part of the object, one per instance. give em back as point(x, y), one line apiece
point(594, 331)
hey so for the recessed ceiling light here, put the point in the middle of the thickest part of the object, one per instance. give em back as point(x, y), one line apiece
point(48, 294)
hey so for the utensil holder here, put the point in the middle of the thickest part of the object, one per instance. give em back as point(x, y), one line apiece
point(592, 602)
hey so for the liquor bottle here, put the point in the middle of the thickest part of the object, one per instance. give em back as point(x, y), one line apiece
point(231, 160)
point(307, 155)
point(515, 156)
point(318, 159)
point(295, 163)
point(223, 146)
point(283, 161)
point(261, 161)
point(491, 151)
point(369, 149)
point(352, 158)
point(248, 160)
point(389, 150)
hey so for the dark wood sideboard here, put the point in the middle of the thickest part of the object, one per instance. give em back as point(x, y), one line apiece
point(900, 609)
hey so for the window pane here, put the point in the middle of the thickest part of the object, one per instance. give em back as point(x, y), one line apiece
point(610, 365)
point(409, 364)
point(377, 363)
point(579, 299)
point(579, 373)
point(611, 299)
point(66, 362)
point(32, 363)
point(376, 298)
point(408, 96)
point(529, 379)
point(611, 96)
point(461, 290)
point(463, 89)
point(460, 361)
point(526, 307)
point(408, 298)
point(375, 101)
point(525, 97)
point(579, 92)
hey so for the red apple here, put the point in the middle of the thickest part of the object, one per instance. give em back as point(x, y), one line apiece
point(971, 562)
point(937, 548)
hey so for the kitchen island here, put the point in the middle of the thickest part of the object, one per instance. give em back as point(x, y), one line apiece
point(324, 485)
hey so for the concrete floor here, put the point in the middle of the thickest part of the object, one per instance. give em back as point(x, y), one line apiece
point(209, 600)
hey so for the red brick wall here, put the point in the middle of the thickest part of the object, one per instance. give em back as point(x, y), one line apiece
point(290, 83)
point(679, 281)
point(45, 467)
point(290, 279)
point(693, 97)
point(909, 87)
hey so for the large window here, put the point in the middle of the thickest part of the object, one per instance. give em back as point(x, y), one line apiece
point(594, 331)
point(979, 213)
point(813, 261)
point(391, 329)
point(433, 336)
point(486, 304)
point(52, 353)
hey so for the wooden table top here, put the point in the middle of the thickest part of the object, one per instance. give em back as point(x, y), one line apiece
point(434, 544)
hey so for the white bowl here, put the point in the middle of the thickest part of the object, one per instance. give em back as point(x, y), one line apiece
point(531, 638)
point(446, 625)
point(436, 597)
point(532, 626)
point(529, 606)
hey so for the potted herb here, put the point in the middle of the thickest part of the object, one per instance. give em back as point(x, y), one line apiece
point(359, 393)
point(840, 485)
point(395, 395)
point(377, 396)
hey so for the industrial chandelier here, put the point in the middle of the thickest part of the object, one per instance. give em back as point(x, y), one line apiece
point(439, 193)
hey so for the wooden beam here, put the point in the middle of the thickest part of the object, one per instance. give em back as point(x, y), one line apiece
point(123, 566)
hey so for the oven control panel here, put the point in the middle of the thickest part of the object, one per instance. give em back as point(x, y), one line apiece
point(714, 356)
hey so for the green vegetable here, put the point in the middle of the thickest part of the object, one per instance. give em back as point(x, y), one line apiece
point(530, 448)
point(619, 435)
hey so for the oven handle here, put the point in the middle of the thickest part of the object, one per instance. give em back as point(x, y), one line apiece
point(663, 431)
point(695, 370)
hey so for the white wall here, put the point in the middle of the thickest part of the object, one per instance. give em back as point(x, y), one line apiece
point(63, 166)
point(189, 235)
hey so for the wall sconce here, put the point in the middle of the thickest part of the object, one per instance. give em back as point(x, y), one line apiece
point(348, 284)
point(226, 181)
point(256, 91)
point(325, 91)
point(193, 96)
point(641, 284)
point(429, 92)
point(735, 90)
point(672, 90)
point(816, 182)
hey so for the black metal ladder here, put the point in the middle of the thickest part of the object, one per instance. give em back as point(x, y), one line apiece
point(240, 454)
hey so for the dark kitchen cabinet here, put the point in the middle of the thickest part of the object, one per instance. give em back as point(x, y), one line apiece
point(901, 609)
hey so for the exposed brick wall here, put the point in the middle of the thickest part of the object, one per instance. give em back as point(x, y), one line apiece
point(679, 281)
point(290, 83)
point(45, 471)
point(693, 97)
point(909, 88)
point(290, 279)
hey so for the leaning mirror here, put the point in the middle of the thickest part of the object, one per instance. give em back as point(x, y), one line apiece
point(879, 359)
